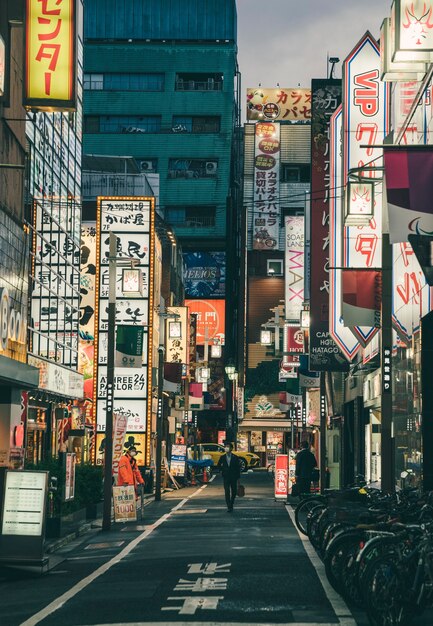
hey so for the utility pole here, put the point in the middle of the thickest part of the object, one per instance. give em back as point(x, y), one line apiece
point(387, 452)
point(108, 454)
point(159, 419)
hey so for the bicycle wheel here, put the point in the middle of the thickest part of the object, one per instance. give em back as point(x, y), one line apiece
point(334, 559)
point(302, 510)
point(385, 592)
point(314, 524)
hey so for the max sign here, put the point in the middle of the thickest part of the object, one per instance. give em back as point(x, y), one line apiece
point(12, 322)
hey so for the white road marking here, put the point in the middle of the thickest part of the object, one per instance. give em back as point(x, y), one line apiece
point(85, 582)
point(339, 606)
point(216, 624)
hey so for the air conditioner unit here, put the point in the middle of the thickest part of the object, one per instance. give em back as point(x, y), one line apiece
point(211, 167)
point(146, 166)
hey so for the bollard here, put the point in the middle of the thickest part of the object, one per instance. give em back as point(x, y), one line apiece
point(205, 475)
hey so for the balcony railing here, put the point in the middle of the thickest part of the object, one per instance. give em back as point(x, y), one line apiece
point(193, 85)
point(192, 222)
point(109, 184)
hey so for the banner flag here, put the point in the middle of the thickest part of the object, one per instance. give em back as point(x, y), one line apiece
point(409, 186)
point(362, 296)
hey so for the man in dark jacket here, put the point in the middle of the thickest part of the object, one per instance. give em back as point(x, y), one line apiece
point(305, 463)
point(231, 471)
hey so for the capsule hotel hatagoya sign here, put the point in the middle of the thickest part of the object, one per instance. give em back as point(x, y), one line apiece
point(50, 78)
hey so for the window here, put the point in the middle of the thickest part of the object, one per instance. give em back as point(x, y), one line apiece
point(192, 168)
point(91, 124)
point(275, 267)
point(191, 217)
point(294, 173)
point(196, 124)
point(93, 81)
point(199, 82)
point(130, 124)
point(124, 82)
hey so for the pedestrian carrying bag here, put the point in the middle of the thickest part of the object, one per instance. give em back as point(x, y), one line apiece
point(241, 491)
point(295, 490)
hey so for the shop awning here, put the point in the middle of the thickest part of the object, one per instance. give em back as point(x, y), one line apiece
point(263, 424)
point(17, 374)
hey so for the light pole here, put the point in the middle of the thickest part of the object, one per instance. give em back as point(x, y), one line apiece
point(113, 262)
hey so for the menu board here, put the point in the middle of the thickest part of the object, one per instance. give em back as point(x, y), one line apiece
point(24, 503)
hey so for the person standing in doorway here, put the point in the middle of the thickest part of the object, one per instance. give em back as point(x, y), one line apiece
point(231, 471)
point(305, 463)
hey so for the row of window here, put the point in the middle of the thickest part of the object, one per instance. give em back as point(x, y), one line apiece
point(139, 124)
point(208, 168)
point(191, 216)
point(152, 81)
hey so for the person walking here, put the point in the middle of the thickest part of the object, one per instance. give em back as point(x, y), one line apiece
point(231, 471)
point(129, 474)
point(305, 463)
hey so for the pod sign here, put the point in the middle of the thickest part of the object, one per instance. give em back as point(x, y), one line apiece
point(13, 322)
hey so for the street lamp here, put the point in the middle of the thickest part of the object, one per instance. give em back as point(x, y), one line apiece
point(113, 262)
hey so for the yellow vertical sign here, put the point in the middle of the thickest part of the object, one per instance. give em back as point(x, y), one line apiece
point(50, 55)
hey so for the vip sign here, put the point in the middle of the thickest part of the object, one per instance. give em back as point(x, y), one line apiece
point(294, 266)
point(51, 59)
point(342, 336)
point(365, 124)
point(411, 294)
point(266, 213)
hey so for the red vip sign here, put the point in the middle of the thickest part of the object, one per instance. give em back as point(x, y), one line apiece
point(365, 124)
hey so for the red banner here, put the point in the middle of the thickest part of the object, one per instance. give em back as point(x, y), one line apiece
point(281, 476)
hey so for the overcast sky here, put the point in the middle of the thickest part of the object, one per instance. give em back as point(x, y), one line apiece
point(287, 41)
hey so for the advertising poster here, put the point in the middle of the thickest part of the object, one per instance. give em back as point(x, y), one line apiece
point(204, 274)
point(266, 213)
point(211, 316)
point(136, 440)
point(125, 509)
point(324, 352)
point(178, 460)
point(70, 459)
point(278, 104)
point(281, 476)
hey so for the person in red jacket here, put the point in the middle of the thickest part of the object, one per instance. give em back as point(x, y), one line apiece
point(129, 473)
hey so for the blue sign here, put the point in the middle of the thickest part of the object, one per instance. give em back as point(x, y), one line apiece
point(204, 274)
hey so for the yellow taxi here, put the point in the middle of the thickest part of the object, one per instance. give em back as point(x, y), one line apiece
point(247, 460)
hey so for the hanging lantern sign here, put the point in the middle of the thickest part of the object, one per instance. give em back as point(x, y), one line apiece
point(359, 205)
point(266, 337)
point(412, 30)
point(391, 71)
point(132, 282)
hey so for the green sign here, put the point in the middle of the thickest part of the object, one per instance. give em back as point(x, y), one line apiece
point(129, 346)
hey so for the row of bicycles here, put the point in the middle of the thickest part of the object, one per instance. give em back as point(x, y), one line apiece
point(377, 548)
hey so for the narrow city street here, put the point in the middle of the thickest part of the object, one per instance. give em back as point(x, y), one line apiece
point(189, 562)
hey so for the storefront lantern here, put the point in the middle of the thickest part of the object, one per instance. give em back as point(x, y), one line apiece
point(391, 71)
point(266, 337)
point(132, 282)
point(359, 205)
point(216, 351)
point(412, 31)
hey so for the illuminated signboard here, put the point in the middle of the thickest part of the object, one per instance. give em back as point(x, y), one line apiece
point(50, 55)
point(285, 104)
point(131, 219)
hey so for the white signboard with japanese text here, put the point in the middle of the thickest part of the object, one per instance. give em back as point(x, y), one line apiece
point(24, 503)
point(131, 220)
point(266, 213)
point(294, 266)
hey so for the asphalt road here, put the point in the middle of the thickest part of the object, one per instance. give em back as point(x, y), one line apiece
point(188, 562)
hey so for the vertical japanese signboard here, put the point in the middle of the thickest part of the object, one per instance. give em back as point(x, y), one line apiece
point(266, 186)
point(294, 266)
point(51, 59)
point(131, 219)
point(281, 476)
point(365, 125)
point(324, 352)
point(342, 336)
